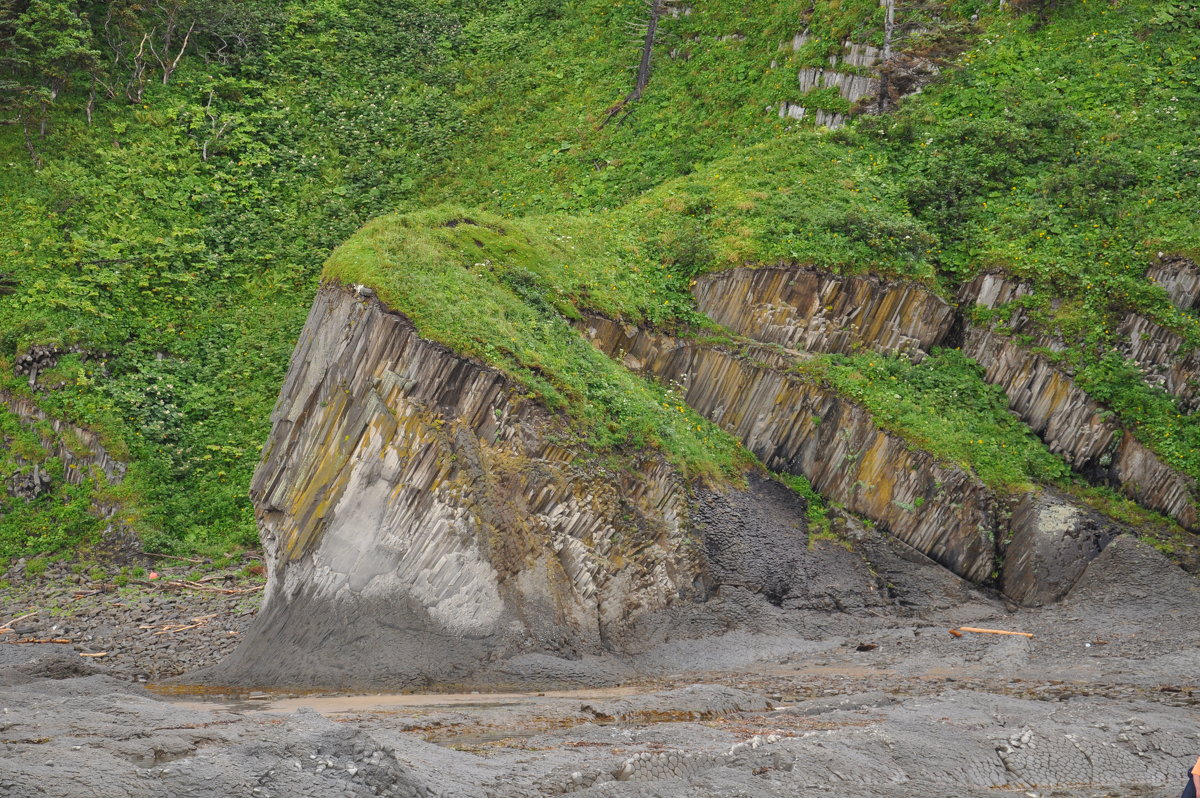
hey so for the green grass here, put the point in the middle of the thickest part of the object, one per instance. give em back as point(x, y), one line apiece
point(504, 292)
point(1063, 152)
point(942, 405)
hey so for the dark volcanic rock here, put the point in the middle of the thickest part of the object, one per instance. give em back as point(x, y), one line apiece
point(1053, 540)
point(420, 525)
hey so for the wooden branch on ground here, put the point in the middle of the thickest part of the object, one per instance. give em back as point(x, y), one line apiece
point(993, 631)
point(177, 584)
point(7, 625)
point(198, 621)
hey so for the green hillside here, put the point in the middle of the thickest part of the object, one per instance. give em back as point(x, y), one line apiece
point(179, 238)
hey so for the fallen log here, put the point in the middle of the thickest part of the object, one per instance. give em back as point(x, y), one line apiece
point(97, 654)
point(36, 640)
point(993, 631)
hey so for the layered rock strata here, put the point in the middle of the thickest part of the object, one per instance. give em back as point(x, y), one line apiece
point(420, 525)
point(79, 448)
point(818, 311)
point(797, 426)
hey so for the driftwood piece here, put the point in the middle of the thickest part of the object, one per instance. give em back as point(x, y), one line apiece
point(7, 625)
point(993, 631)
point(173, 557)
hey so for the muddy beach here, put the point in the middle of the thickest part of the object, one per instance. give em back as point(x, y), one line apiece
point(1102, 700)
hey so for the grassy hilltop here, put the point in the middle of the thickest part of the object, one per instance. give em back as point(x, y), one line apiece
point(179, 238)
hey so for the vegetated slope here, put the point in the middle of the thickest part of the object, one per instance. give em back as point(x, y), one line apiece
point(1058, 148)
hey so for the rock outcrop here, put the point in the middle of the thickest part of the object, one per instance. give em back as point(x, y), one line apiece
point(1179, 277)
point(420, 525)
point(1072, 424)
point(423, 524)
point(79, 448)
point(1163, 358)
point(1032, 547)
point(797, 426)
point(817, 311)
point(1052, 541)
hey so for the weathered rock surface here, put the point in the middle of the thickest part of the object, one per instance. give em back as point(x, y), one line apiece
point(799, 427)
point(1179, 277)
point(1052, 541)
point(1097, 704)
point(816, 311)
point(1071, 423)
point(421, 526)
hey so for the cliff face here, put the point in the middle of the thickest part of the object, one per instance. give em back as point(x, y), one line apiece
point(424, 524)
point(822, 312)
point(409, 486)
point(1162, 358)
point(813, 310)
point(1032, 547)
point(420, 525)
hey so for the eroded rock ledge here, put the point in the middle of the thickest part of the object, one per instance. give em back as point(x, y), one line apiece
point(420, 526)
point(82, 455)
point(816, 311)
point(1032, 547)
point(819, 311)
point(1071, 423)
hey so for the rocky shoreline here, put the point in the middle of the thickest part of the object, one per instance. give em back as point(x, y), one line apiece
point(1099, 703)
point(189, 615)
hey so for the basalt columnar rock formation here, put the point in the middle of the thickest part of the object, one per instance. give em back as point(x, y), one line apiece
point(421, 524)
point(425, 523)
point(822, 312)
point(816, 311)
point(78, 448)
point(1045, 396)
point(795, 425)
point(1032, 546)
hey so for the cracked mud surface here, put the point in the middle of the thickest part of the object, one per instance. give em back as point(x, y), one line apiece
point(1102, 701)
